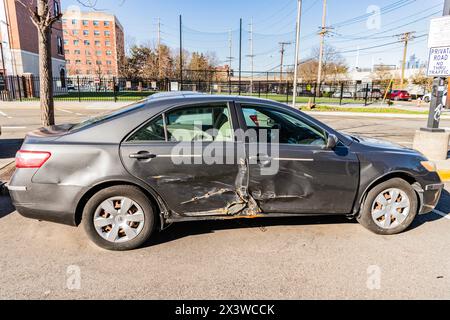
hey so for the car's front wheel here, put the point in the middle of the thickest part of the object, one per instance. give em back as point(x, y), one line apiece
point(119, 218)
point(389, 208)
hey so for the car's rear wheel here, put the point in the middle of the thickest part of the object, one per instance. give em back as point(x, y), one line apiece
point(426, 99)
point(119, 218)
point(389, 208)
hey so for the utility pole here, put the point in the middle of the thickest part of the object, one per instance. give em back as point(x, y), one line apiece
point(405, 37)
point(159, 47)
point(230, 47)
point(240, 55)
point(181, 54)
point(251, 56)
point(323, 32)
point(282, 51)
point(297, 51)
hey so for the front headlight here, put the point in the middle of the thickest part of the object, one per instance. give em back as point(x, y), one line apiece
point(429, 165)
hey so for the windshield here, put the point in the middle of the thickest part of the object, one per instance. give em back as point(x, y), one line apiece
point(108, 115)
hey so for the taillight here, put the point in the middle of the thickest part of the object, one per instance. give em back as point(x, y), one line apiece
point(31, 159)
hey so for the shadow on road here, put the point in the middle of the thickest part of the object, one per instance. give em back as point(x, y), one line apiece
point(186, 229)
point(6, 206)
point(443, 206)
point(9, 147)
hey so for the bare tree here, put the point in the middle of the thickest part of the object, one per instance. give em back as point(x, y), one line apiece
point(43, 17)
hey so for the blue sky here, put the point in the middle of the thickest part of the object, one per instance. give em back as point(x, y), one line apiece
point(207, 24)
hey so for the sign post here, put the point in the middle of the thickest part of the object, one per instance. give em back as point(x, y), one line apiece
point(432, 141)
point(438, 68)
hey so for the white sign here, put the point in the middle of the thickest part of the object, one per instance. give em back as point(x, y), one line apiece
point(174, 86)
point(439, 32)
point(439, 62)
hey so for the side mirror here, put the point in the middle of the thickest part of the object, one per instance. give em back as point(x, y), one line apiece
point(332, 142)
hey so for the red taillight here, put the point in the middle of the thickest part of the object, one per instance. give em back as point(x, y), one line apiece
point(31, 159)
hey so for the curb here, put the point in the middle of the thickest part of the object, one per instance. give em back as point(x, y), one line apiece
point(444, 175)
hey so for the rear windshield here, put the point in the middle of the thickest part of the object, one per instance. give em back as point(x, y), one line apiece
point(109, 115)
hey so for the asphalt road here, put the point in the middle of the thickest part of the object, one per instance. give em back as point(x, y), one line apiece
point(294, 258)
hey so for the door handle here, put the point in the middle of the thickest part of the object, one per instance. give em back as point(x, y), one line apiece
point(264, 159)
point(143, 155)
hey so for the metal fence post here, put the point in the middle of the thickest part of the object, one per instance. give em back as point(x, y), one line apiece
point(19, 89)
point(79, 90)
point(366, 95)
point(315, 93)
point(342, 94)
point(267, 86)
point(114, 89)
point(287, 91)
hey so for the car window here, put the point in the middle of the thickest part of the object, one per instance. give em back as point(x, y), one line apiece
point(154, 131)
point(291, 130)
point(200, 123)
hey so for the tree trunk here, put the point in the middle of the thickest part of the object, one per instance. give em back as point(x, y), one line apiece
point(46, 77)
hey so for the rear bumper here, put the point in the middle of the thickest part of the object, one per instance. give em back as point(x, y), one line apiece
point(52, 203)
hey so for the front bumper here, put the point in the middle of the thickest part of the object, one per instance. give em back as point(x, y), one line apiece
point(429, 196)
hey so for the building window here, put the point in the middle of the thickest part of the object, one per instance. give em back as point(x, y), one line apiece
point(75, 32)
point(89, 62)
point(77, 52)
point(106, 23)
point(60, 46)
point(67, 61)
point(66, 51)
point(108, 43)
point(87, 43)
point(96, 33)
point(98, 53)
point(66, 32)
point(85, 23)
point(96, 23)
point(109, 53)
point(74, 21)
point(98, 62)
point(56, 8)
point(107, 33)
point(66, 42)
point(88, 52)
point(97, 43)
point(78, 62)
point(109, 62)
point(64, 21)
point(76, 42)
point(85, 32)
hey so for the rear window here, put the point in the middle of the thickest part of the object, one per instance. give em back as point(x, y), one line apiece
point(108, 116)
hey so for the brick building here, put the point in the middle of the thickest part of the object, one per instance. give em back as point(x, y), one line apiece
point(19, 40)
point(93, 43)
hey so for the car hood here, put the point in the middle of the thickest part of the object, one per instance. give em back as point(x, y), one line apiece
point(384, 145)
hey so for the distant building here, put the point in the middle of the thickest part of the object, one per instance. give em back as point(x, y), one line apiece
point(94, 44)
point(19, 40)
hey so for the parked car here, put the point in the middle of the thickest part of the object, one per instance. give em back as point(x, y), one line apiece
point(345, 95)
point(399, 95)
point(371, 93)
point(133, 172)
point(427, 98)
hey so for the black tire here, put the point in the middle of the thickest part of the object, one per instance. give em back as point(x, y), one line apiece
point(132, 193)
point(426, 100)
point(365, 217)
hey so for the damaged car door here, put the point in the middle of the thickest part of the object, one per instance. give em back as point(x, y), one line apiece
point(182, 154)
point(297, 172)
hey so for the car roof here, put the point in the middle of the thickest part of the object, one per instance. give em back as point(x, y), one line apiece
point(197, 96)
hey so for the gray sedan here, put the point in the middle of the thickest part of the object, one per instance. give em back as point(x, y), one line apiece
point(184, 157)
